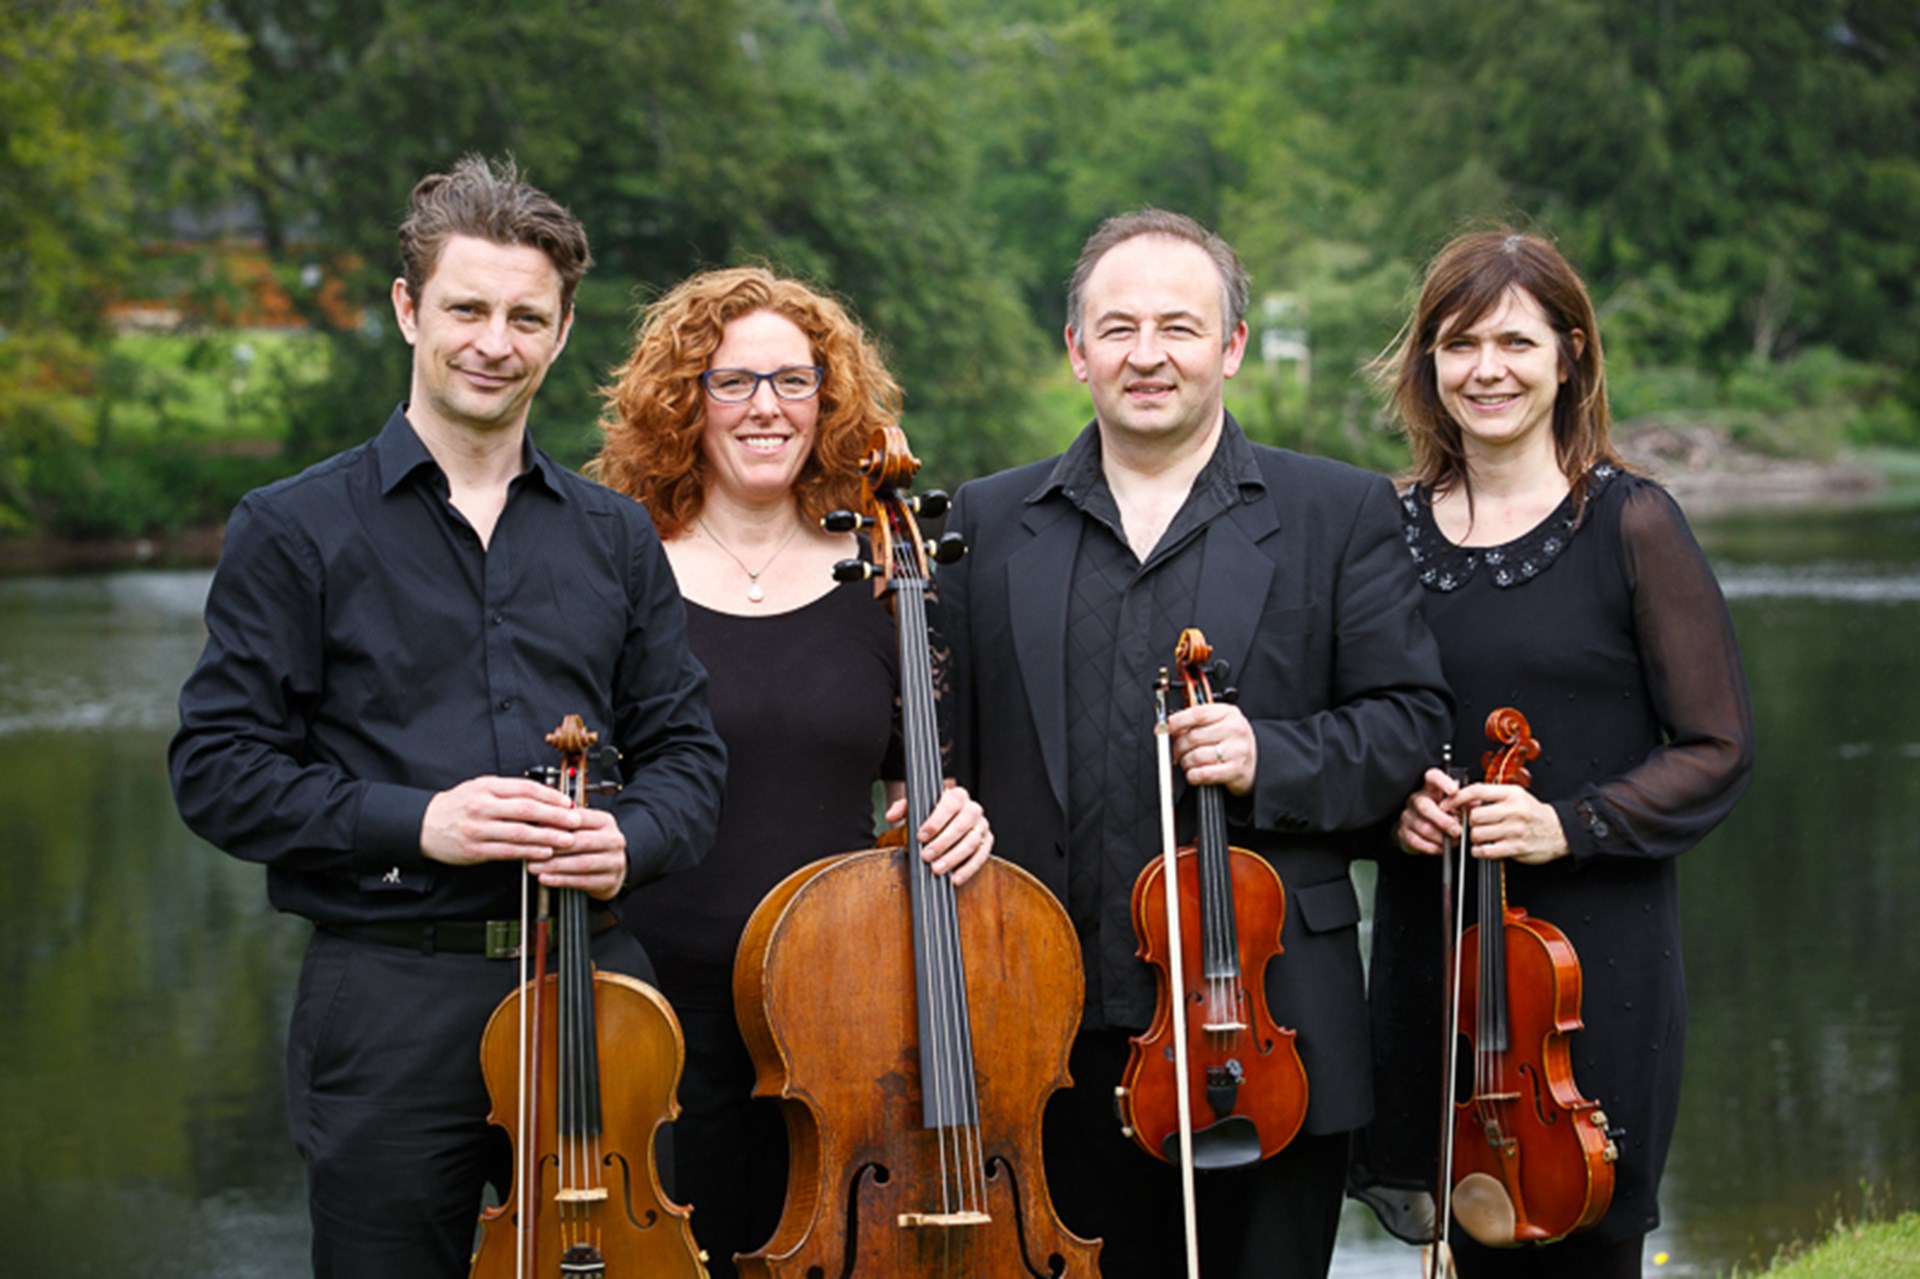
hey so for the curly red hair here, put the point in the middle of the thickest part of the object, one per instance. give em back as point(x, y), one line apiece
point(656, 406)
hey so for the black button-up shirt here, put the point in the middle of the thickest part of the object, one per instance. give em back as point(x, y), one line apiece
point(365, 651)
point(1124, 619)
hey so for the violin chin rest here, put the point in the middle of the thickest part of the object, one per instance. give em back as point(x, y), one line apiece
point(1481, 1206)
point(1233, 1142)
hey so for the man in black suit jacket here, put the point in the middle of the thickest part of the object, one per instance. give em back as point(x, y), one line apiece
point(1083, 570)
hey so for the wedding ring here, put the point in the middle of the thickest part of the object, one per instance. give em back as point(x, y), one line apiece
point(1219, 754)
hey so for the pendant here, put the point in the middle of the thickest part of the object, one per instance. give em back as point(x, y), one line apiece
point(754, 592)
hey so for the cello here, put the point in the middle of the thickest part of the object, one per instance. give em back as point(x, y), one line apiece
point(581, 1066)
point(1212, 1049)
point(911, 1032)
point(1531, 1159)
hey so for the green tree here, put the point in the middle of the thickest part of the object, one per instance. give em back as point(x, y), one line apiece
point(684, 136)
point(112, 116)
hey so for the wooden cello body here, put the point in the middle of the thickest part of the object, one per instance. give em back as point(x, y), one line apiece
point(582, 1067)
point(875, 1189)
point(1532, 1159)
point(1246, 1085)
point(911, 1032)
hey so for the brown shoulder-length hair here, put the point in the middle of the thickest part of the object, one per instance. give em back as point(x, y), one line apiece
point(656, 406)
point(1467, 280)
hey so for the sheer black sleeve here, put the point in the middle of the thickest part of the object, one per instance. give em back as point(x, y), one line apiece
point(1691, 661)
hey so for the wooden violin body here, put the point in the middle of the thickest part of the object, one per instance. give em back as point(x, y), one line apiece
point(1245, 1083)
point(1532, 1158)
point(911, 1031)
point(582, 1067)
point(636, 1230)
point(1247, 1087)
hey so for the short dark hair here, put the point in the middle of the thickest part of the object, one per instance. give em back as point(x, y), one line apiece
point(1465, 282)
point(487, 200)
point(1117, 230)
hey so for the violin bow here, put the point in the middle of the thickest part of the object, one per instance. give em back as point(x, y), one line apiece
point(1453, 907)
point(1177, 1002)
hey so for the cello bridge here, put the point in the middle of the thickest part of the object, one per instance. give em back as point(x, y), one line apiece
point(912, 1220)
point(589, 1194)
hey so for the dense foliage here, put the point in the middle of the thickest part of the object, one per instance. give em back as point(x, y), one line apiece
point(1738, 178)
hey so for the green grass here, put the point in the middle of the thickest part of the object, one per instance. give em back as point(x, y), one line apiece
point(1856, 1250)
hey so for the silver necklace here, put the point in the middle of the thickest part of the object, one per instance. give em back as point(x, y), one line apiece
point(754, 593)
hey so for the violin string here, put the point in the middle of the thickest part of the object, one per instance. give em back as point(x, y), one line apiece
point(1218, 923)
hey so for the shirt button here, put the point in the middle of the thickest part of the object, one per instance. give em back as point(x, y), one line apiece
point(499, 619)
point(506, 703)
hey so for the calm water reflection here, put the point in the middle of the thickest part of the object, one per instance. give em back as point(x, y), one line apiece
point(140, 1084)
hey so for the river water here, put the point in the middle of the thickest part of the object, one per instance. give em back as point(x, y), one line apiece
point(140, 1081)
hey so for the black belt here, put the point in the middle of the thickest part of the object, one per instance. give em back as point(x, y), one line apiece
point(494, 938)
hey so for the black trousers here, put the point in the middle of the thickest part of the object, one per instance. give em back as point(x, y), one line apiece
point(1274, 1220)
point(729, 1147)
point(387, 1105)
point(1575, 1257)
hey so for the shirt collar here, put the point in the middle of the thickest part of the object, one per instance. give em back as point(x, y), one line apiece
point(401, 454)
point(1077, 472)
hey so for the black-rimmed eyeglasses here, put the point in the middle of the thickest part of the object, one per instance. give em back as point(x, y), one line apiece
point(735, 386)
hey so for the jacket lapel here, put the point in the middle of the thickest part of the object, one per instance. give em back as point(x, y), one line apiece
point(1235, 577)
point(1039, 577)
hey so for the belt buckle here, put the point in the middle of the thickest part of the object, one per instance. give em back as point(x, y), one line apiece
point(503, 939)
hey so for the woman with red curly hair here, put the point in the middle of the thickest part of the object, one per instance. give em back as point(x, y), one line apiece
point(739, 420)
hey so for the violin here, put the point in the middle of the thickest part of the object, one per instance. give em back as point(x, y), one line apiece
point(581, 1067)
point(1532, 1159)
point(1212, 1045)
point(911, 1032)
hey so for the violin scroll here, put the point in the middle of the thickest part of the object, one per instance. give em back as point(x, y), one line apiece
point(1506, 763)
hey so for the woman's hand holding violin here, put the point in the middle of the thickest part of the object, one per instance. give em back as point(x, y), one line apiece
point(1427, 822)
point(1507, 820)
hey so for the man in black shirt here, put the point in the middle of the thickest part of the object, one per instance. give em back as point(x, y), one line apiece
point(391, 635)
point(1081, 573)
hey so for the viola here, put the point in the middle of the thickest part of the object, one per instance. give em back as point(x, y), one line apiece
point(581, 1067)
point(911, 1032)
point(1532, 1159)
point(1212, 1044)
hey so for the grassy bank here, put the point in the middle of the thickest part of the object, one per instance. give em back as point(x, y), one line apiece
point(1855, 1250)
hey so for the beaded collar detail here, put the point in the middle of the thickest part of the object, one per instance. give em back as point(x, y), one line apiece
point(1442, 566)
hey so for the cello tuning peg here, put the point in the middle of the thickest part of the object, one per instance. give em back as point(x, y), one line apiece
point(948, 549)
point(932, 504)
point(844, 521)
point(545, 774)
point(852, 571)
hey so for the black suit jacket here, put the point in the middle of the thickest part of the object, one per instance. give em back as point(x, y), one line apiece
point(1308, 591)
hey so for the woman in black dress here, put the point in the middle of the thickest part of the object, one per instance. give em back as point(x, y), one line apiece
point(738, 420)
point(1561, 584)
